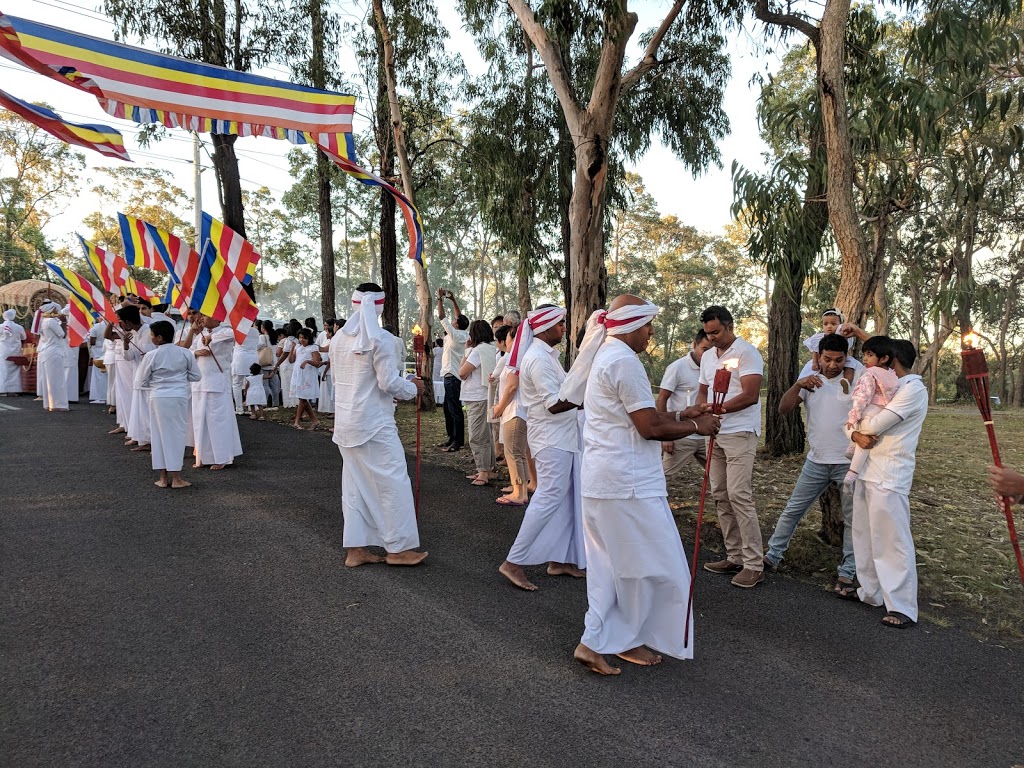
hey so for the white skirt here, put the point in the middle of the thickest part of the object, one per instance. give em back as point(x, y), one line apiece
point(168, 421)
point(10, 375)
point(325, 403)
point(287, 401)
point(138, 418)
point(97, 385)
point(305, 385)
point(52, 384)
point(124, 370)
point(215, 428)
point(638, 581)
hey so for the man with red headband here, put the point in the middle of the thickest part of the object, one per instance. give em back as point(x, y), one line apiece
point(637, 580)
point(551, 531)
point(376, 494)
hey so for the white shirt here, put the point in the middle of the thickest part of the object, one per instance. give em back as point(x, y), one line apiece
point(540, 378)
point(215, 369)
point(515, 408)
point(109, 354)
point(51, 340)
point(11, 336)
point(454, 348)
point(437, 352)
point(891, 462)
point(827, 410)
point(287, 343)
point(365, 388)
point(750, 364)
point(474, 388)
point(96, 339)
point(246, 354)
point(617, 462)
point(399, 343)
point(167, 371)
point(682, 379)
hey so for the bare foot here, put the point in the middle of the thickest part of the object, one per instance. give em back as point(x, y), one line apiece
point(408, 557)
point(215, 467)
point(361, 556)
point(131, 442)
point(641, 655)
point(161, 484)
point(143, 448)
point(517, 576)
point(566, 569)
point(117, 431)
point(197, 465)
point(252, 418)
point(181, 484)
point(594, 661)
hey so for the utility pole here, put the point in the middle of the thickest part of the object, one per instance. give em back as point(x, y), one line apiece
point(197, 170)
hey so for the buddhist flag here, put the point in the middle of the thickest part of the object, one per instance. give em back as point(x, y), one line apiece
point(93, 298)
point(113, 273)
point(80, 320)
point(101, 138)
point(137, 252)
point(238, 252)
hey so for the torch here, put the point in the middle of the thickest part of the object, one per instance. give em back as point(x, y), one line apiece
point(976, 371)
point(418, 349)
point(719, 390)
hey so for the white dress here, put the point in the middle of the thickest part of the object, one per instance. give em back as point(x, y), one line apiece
point(256, 394)
point(305, 384)
point(51, 379)
point(325, 403)
point(287, 400)
point(11, 337)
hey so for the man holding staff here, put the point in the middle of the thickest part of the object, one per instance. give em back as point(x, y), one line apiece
point(637, 580)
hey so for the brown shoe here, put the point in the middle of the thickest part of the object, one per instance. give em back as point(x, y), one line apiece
point(723, 566)
point(747, 578)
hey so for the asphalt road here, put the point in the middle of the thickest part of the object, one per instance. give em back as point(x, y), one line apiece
point(217, 626)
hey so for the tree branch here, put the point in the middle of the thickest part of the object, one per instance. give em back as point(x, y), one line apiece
point(650, 57)
point(787, 20)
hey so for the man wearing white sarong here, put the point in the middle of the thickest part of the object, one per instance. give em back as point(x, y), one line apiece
point(552, 527)
point(883, 545)
point(97, 377)
point(244, 356)
point(122, 334)
point(165, 373)
point(51, 379)
point(138, 419)
point(637, 578)
point(11, 337)
point(70, 362)
point(214, 427)
point(376, 494)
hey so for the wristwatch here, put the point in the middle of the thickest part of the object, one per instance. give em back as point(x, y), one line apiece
point(678, 416)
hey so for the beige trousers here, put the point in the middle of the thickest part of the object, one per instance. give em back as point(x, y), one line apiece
point(682, 452)
point(480, 435)
point(517, 451)
point(732, 472)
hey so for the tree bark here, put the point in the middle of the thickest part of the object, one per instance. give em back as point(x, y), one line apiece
point(386, 147)
point(323, 169)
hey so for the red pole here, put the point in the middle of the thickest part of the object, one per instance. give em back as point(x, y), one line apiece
point(696, 541)
point(417, 345)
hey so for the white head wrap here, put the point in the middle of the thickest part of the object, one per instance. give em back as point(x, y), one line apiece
point(537, 321)
point(619, 321)
point(363, 323)
point(66, 311)
point(47, 308)
point(835, 312)
point(10, 314)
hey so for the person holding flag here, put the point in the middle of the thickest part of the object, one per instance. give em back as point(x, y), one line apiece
point(215, 430)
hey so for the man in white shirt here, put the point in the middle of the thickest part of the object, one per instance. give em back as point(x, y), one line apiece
point(376, 494)
point(243, 357)
point(678, 392)
point(552, 527)
point(826, 397)
point(732, 461)
point(637, 581)
point(882, 542)
point(455, 338)
point(215, 429)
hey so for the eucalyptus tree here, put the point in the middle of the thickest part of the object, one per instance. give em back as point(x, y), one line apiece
point(674, 91)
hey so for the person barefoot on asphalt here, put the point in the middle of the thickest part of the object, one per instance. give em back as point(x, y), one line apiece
point(638, 581)
point(376, 493)
point(552, 528)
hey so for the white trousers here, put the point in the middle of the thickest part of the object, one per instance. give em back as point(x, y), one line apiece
point(237, 380)
point(168, 421)
point(637, 578)
point(52, 384)
point(138, 419)
point(111, 385)
point(125, 373)
point(97, 385)
point(215, 428)
point(287, 401)
point(376, 494)
point(552, 528)
point(71, 381)
point(883, 549)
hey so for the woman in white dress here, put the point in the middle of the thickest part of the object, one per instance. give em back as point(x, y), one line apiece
point(11, 337)
point(305, 383)
point(325, 403)
point(165, 372)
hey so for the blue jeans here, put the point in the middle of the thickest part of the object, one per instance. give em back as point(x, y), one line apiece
point(813, 481)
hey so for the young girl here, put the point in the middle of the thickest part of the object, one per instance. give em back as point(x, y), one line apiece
point(831, 320)
point(254, 392)
point(305, 360)
point(875, 388)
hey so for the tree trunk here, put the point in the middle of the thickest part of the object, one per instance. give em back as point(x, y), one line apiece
point(831, 516)
point(784, 434)
point(386, 148)
point(323, 168)
point(398, 131)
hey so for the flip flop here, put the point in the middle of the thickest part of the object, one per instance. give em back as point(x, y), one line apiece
point(479, 482)
point(846, 591)
point(506, 502)
point(902, 622)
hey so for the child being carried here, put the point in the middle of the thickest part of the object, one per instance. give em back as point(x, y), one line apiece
point(875, 388)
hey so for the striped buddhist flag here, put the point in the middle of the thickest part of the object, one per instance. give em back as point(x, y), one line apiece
point(206, 284)
point(137, 250)
point(238, 252)
point(91, 296)
point(101, 138)
point(113, 274)
point(80, 320)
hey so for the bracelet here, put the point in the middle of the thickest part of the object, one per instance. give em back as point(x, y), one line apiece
point(696, 427)
point(678, 415)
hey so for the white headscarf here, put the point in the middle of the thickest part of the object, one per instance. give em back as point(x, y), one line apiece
point(10, 314)
point(48, 308)
point(619, 321)
point(363, 323)
point(537, 321)
point(66, 311)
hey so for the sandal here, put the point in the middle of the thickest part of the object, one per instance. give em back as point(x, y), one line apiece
point(505, 501)
point(479, 482)
point(451, 449)
point(846, 590)
point(901, 621)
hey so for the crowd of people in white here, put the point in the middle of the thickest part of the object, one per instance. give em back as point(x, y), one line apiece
point(588, 451)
